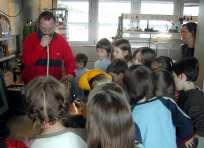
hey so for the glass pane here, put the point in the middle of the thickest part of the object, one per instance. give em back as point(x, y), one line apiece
point(78, 32)
point(108, 17)
point(160, 26)
point(191, 11)
point(78, 13)
point(157, 8)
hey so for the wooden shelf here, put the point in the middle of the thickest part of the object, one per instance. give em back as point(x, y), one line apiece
point(3, 59)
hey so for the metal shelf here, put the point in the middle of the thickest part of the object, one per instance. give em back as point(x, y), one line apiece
point(5, 38)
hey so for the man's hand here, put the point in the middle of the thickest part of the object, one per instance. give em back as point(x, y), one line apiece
point(45, 41)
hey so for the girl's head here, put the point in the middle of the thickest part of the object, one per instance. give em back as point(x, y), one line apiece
point(143, 56)
point(103, 48)
point(122, 50)
point(162, 63)
point(139, 82)
point(188, 32)
point(46, 100)
point(109, 121)
point(164, 84)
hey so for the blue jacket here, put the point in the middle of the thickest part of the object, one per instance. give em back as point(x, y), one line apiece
point(161, 122)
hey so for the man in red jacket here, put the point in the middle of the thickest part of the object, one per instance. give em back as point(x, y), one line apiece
point(46, 52)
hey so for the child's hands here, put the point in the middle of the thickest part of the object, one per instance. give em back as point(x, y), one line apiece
point(189, 143)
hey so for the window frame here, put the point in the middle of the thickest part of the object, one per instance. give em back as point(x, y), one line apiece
point(93, 16)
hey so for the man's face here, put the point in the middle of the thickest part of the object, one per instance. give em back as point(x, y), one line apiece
point(47, 26)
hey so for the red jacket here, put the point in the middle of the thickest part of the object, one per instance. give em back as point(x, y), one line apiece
point(10, 143)
point(34, 57)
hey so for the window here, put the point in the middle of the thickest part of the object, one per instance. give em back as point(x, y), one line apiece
point(161, 8)
point(108, 17)
point(191, 10)
point(77, 19)
point(157, 8)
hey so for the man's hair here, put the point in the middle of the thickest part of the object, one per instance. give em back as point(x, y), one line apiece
point(117, 66)
point(47, 15)
point(147, 55)
point(139, 82)
point(188, 66)
point(109, 120)
point(82, 58)
point(104, 44)
point(46, 99)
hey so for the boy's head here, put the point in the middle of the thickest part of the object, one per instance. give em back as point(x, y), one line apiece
point(103, 48)
point(122, 50)
point(46, 100)
point(185, 70)
point(81, 60)
point(139, 82)
point(143, 56)
point(117, 69)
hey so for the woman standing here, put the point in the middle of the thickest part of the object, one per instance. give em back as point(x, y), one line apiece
point(188, 36)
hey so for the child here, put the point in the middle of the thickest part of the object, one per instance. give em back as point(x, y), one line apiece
point(190, 98)
point(109, 121)
point(81, 61)
point(122, 50)
point(160, 121)
point(117, 69)
point(143, 56)
point(92, 78)
point(46, 101)
point(162, 63)
point(164, 84)
point(103, 49)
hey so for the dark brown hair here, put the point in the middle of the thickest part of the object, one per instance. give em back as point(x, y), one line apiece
point(162, 63)
point(46, 99)
point(124, 45)
point(192, 28)
point(82, 58)
point(104, 44)
point(147, 55)
point(164, 83)
point(109, 120)
point(139, 82)
point(188, 66)
point(47, 15)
